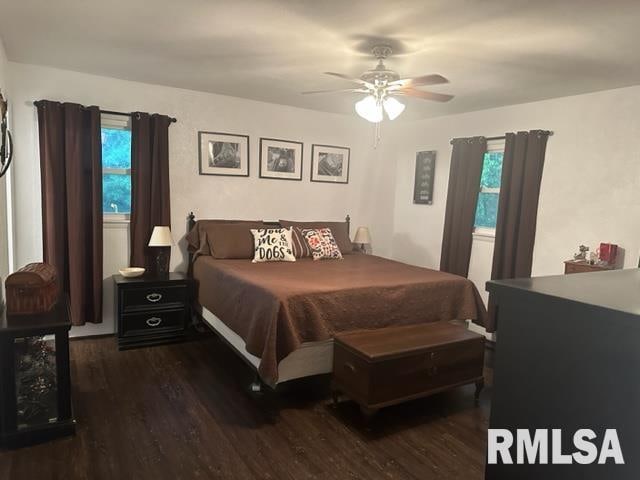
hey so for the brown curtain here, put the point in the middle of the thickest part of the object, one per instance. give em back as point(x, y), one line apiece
point(462, 197)
point(517, 208)
point(150, 201)
point(71, 177)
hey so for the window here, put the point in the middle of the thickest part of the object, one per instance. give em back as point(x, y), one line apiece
point(116, 167)
point(487, 208)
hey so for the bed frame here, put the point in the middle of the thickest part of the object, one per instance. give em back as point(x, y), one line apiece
point(199, 315)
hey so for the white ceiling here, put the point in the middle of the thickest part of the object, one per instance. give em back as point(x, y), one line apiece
point(494, 52)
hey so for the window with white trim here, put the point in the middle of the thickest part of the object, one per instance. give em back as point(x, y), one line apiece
point(487, 207)
point(116, 167)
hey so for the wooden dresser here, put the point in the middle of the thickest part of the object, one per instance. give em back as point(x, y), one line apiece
point(567, 358)
point(382, 367)
point(571, 266)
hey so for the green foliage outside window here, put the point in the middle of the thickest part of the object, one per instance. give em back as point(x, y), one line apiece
point(487, 208)
point(116, 153)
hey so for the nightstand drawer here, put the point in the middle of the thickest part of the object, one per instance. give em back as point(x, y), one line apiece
point(156, 321)
point(158, 296)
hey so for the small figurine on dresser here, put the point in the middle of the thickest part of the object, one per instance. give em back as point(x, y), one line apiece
point(581, 256)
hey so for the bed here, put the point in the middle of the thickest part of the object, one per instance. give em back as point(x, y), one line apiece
point(281, 316)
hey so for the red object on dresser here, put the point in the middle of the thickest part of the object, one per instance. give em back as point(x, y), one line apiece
point(608, 252)
point(32, 289)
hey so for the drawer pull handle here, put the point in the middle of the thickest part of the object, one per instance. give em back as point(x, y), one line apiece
point(154, 321)
point(154, 297)
point(350, 367)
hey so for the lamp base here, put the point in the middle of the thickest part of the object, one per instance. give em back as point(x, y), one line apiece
point(162, 262)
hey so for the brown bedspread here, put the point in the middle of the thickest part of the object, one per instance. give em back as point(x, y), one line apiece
point(277, 306)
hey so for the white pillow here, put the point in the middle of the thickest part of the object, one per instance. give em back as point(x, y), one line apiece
point(272, 245)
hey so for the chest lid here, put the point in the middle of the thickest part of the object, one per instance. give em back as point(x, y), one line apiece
point(392, 342)
point(32, 275)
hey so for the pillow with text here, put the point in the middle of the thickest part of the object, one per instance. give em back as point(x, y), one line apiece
point(272, 245)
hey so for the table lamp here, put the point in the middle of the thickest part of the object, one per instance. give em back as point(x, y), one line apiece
point(161, 239)
point(363, 237)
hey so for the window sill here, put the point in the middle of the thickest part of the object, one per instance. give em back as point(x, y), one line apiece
point(116, 219)
point(484, 234)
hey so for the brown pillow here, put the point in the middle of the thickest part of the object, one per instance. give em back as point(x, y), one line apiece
point(338, 229)
point(231, 240)
point(197, 237)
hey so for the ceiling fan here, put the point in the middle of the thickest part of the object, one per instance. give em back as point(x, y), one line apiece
point(382, 86)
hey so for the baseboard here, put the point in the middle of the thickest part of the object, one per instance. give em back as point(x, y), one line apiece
point(89, 337)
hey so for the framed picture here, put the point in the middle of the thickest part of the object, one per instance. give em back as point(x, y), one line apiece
point(223, 154)
point(330, 164)
point(423, 182)
point(280, 159)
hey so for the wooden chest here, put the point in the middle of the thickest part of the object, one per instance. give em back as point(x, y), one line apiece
point(32, 289)
point(377, 368)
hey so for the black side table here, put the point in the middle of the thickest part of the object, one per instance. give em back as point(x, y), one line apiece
point(151, 310)
point(35, 380)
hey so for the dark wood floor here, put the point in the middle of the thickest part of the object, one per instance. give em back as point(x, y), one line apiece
point(181, 412)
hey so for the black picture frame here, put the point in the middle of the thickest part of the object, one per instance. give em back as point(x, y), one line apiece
point(340, 180)
point(245, 171)
point(424, 175)
point(282, 144)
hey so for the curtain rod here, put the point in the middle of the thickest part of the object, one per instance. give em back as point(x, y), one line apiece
point(502, 137)
point(112, 112)
point(124, 114)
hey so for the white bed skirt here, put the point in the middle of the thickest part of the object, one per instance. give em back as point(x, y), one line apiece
point(312, 358)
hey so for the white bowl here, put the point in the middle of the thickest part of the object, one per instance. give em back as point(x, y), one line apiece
point(131, 272)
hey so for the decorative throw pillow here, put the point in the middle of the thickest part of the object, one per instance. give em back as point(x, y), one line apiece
point(322, 243)
point(301, 248)
point(339, 230)
point(272, 245)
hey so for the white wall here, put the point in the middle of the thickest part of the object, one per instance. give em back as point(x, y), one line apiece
point(4, 233)
point(368, 197)
point(590, 188)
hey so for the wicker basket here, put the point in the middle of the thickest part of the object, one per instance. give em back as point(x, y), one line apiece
point(32, 289)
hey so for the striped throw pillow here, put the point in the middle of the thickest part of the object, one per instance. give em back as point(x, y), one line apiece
point(301, 248)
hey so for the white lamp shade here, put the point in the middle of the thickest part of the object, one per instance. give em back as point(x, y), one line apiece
point(393, 107)
point(362, 236)
point(161, 237)
point(369, 109)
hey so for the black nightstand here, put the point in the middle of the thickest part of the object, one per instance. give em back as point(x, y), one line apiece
point(151, 310)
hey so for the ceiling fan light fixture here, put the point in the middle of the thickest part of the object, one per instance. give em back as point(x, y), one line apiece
point(369, 109)
point(393, 107)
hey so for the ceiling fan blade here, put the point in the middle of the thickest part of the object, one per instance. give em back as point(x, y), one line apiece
point(434, 79)
point(343, 90)
point(350, 79)
point(412, 92)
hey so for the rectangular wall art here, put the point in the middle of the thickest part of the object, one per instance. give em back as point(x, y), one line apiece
point(280, 159)
point(223, 154)
point(423, 182)
point(330, 164)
